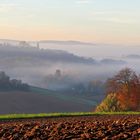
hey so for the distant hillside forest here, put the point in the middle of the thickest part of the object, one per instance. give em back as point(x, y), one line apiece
point(11, 84)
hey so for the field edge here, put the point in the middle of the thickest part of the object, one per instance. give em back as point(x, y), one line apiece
point(46, 115)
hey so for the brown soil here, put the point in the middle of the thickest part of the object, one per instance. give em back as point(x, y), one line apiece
point(76, 128)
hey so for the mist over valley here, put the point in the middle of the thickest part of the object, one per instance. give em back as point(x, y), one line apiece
point(57, 66)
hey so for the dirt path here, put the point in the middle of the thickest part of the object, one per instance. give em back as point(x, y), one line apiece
point(77, 128)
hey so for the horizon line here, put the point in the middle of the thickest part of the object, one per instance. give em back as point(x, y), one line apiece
point(70, 40)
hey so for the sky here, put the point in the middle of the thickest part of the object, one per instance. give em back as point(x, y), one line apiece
point(102, 21)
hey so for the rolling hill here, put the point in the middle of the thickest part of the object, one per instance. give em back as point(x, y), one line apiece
point(40, 100)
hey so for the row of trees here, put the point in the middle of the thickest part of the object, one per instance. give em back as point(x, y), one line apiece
point(7, 84)
point(123, 92)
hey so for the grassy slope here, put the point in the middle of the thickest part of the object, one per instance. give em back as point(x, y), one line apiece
point(31, 116)
point(40, 100)
point(67, 97)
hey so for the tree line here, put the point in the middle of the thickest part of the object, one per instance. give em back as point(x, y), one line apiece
point(11, 84)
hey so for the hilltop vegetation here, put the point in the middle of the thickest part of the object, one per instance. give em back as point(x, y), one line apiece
point(27, 52)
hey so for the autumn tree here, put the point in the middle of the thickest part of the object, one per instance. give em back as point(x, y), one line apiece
point(126, 86)
point(109, 104)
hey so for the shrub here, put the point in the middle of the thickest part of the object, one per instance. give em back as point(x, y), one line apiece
point(109, 104)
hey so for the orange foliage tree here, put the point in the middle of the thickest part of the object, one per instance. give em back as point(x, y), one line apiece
point(126, 85)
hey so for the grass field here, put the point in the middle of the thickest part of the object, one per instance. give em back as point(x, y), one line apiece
point(42, 115)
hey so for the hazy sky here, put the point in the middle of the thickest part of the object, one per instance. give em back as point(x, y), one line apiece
point(104, 21)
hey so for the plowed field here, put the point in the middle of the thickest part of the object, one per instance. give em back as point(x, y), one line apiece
point(76, 128)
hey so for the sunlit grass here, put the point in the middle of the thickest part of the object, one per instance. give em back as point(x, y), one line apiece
point(42, 115)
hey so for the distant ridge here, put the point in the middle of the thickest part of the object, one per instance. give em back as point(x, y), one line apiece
point(69, 42)
point(133, 56)
point(49, 55)
point(11, 40)
point(62, 42)
point(112, 61)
